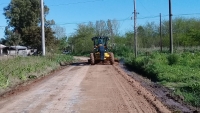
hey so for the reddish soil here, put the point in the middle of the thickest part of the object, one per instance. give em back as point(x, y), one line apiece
point(83, 88)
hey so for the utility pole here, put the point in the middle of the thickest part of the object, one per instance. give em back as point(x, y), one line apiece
point(170, 28)
point(42, 27)
point(160, 33)
point(135, 29)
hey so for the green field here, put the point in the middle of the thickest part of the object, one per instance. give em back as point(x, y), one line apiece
point(179, 72)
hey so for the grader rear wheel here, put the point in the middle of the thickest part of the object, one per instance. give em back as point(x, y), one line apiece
point(112, 59)
point(92, 61)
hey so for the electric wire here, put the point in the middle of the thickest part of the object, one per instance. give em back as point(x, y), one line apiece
point(77, 3)
point(144, 7)
point(129, 18)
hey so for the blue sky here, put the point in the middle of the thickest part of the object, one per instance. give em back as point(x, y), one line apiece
point(68, 13)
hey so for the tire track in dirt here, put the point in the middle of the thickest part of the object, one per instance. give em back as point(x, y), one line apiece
point(105, 89)
point(144, 94)
point(127, 97)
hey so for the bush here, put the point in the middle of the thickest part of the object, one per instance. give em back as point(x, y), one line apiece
point(173, 59)
point(171, 70)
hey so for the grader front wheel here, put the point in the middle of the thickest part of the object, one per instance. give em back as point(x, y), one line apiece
point(112, 59)
point(92, 61)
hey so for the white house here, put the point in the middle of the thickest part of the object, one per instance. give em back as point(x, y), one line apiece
point(19, 50)
point(1, 48)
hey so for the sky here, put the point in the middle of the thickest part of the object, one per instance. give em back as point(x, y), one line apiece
point(69, 13)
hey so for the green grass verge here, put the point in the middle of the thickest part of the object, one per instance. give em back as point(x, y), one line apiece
point(177, 71)
point(24, 68)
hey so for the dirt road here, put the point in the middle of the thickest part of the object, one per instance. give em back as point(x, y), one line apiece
point(82, 88)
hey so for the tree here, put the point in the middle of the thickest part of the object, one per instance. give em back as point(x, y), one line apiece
point(101, 28)
point(129, 39)
point(13, 38)
point(80, 41)
point(23, 16)
point(115, 26)
point(63, 45)
point(3, 41)
point(141, 37)
point(112, 28)
point(59, 32)
point(194, 37)
point(23, 13)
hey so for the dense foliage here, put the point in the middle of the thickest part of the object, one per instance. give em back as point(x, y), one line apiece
point(179, 72)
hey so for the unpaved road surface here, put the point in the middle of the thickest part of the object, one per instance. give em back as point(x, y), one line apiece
point(83, 88)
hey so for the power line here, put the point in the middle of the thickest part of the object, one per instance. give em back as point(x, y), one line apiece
point(77, 3)
point(148, 17)
point(168, 15)
point(143, 6)
point(187, 14)
point(127, 18)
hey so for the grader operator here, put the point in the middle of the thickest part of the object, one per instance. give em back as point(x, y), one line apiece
point(100, 52)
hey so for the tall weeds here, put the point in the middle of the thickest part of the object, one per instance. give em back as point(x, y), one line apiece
point(177, 71)
point(24, 68)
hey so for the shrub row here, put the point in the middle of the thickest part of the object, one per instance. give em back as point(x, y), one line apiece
point(177, 71)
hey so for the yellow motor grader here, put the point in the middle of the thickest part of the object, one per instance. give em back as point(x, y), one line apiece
point(100, 52)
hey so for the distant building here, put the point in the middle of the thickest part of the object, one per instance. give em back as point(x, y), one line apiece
point(16, 50)
point(1, 48)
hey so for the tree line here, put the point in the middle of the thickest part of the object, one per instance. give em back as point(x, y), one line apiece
point(186, 33)
point(23, 19)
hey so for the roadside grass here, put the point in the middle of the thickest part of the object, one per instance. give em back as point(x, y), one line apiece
point(20, 69)
point(179, 72)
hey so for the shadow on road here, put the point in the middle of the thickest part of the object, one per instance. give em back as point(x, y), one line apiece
point(82, 63)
